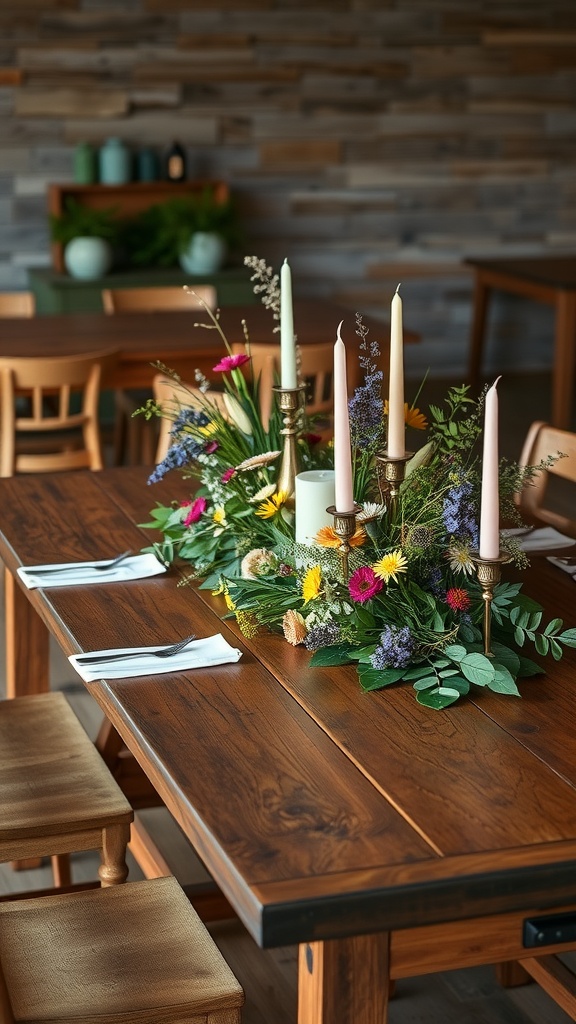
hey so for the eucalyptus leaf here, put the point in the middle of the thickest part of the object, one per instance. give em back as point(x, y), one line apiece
point(426, 684)
point(555, 649)
point(434, 699)
point(541, 643)
point(455, 652)
point(503, 682)
point(477, 668)
point(568, 637)
point(553, 627)
point(529, 668)
point(336, 654)
point(376, 679)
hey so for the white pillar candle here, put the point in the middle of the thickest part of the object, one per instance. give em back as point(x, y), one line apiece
point(396, 424)
point(490, 501)
point(344, 498)
point(287, 343)
point(314, 494)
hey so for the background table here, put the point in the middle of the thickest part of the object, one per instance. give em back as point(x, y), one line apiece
point(548, 279)
point(142, 338)
point(384, 838)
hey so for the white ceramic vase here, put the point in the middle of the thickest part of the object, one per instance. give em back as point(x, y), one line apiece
point(205, 253)
point(88, 258)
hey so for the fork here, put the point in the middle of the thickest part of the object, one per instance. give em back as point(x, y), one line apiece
point(106, 567)
point(161, 652)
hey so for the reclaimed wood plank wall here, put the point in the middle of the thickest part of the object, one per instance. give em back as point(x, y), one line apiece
point(370, 141)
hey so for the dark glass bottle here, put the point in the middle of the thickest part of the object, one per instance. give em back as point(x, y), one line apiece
point(175, 163)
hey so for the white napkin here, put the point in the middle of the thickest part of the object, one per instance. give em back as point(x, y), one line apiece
point(136, 567)
point(569, 567)
point(211, 650)
point(545, 538)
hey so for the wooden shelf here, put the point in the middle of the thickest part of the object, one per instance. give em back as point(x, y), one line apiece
point(127, 200)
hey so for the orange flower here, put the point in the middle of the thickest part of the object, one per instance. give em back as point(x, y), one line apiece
point(412, 416)
point(328, 537)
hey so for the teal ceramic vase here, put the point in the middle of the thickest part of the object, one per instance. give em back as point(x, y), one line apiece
point(205, 253)
point(114, 163)
point(88, 258)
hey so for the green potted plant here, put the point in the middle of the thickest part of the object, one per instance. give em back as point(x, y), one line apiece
point(196, 231)
point(88, 237)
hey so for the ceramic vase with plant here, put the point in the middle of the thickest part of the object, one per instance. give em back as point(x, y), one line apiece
point(88, 237)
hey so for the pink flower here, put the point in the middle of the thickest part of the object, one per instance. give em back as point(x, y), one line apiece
point(197, 507)
point(211, 447)
point(228, 363)
point(227, 475)
point(364, 584)
point(458, 599)
point(312, 439)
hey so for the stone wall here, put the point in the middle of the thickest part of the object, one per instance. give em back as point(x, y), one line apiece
point(369, 141)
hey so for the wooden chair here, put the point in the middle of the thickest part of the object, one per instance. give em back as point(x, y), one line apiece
point(315, 370)
point(56, 794)
point(155, 300)
point(49, 382)
point(136, 952)
point(543, 440)
point(171, 395)
point(137, 438)
point(17, 304)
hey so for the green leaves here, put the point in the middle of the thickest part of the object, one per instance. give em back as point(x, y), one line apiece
point(337, 654)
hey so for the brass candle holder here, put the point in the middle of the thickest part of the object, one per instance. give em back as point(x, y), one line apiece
point(290, 403)
point(489, 572)
point(392, 469)
point(344, 528)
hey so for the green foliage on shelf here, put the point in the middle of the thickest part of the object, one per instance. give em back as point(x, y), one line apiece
point(80, 221)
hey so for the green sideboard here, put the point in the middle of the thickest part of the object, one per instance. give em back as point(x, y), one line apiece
point(60, 293)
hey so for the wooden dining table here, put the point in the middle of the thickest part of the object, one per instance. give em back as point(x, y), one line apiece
point(384, 838)
point(172, 337)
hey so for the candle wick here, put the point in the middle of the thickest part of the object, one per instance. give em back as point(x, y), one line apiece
point(286, 259)
point(398, 289)
point(338, 331)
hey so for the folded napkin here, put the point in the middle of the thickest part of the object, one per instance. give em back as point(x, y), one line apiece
point(211, 650)
point(545, 538)
point(136, 567)
point(569, 567)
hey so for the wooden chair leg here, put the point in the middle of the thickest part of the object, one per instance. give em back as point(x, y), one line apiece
point(61, 870)
point(113, 869)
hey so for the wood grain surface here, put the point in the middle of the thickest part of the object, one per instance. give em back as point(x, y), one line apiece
point(321, 811)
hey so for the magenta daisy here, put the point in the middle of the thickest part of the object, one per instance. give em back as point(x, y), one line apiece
point(227, 475)
point(364, 584)
point(197, 507)
point(228, 363)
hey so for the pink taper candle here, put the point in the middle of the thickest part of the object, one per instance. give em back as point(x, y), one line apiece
point(396, 425)
point(344, 500)
point(490, 502)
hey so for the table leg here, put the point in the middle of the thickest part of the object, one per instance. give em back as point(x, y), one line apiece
point(564, 360)
point(479, 318)
point(27, 644)
point(344, 980)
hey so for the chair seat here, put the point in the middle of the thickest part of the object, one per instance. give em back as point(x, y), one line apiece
point(56, 794)
point(135, 952)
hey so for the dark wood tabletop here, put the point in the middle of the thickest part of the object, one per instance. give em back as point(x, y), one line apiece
point(556, 271)
point(362, 826)
point(142, 338)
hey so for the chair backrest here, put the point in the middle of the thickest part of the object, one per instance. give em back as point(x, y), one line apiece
point(541, 441)
point(155, 300)
point(48, 383)
point(17, 304)
point(315, 364)
point(172, 395)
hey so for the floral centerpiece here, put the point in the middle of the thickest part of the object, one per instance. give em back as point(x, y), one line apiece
point(411, 609)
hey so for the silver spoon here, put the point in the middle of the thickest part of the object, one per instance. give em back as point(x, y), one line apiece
point(105, 567)
point(161, 652)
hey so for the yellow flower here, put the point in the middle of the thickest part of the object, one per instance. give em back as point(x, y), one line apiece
point(311, 583)
point(392, 563)
point(219, 516)
point(412, 416)
point(272, 505)
point(210, 428)
point(328, 537)
point(248, 624)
